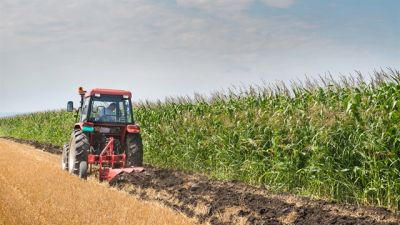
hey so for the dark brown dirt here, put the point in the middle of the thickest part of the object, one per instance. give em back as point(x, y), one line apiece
point(45, 147)
point(234, 202)
point(218, 202)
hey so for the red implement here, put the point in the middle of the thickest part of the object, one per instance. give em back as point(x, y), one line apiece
point(111, 173)
point(110, 164)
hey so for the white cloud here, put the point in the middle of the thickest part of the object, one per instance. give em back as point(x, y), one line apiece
point(142, 24)
point(279, 3)
point(216, 5)
point(231, 5)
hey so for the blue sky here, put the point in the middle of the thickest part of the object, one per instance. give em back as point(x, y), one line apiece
point(167, 48)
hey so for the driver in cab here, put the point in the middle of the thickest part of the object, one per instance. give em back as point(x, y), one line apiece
point(109, 113)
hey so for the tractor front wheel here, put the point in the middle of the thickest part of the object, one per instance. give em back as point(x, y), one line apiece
point(134, 150)
point(77, 155)
point(83, 170)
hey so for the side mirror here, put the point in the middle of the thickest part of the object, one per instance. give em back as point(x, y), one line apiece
point(70, 106)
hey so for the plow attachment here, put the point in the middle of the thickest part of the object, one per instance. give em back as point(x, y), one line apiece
point(110, 164)
point(109, 174)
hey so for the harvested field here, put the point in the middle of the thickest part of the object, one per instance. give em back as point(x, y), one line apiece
point(216, 202)
point(33, 190)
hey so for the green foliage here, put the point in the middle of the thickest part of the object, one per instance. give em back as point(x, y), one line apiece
point(52, 127)
point(327, 139)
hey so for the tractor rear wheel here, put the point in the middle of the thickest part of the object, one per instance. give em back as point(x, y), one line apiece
point(64, 158)
point(78, 151)
point(134, 150)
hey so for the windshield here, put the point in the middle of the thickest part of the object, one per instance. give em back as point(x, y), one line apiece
point(114, 109)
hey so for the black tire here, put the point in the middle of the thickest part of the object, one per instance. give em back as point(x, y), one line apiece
point(134, 150)
point(78, 151)
point(83, 170)
point(64, 157)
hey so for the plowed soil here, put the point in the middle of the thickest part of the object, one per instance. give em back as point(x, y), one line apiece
point(217, 202)
point(235, 203)
point(34, 190)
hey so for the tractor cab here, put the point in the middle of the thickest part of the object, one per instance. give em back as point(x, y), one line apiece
point(104, 106)
point(107, 108)
point(104, 135)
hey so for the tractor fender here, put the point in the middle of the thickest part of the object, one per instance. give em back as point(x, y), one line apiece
point(133, 129)
point(78, 126)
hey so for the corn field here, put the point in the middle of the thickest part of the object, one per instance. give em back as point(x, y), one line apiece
point(325, 138)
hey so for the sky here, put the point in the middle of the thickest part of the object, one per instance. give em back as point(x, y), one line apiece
point(158, 48)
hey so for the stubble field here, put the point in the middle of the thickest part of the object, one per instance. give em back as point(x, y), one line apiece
point(34, 190)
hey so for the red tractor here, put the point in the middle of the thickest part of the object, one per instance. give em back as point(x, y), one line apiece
point(105, 135)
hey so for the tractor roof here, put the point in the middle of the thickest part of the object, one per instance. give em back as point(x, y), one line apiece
point(107, 92)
